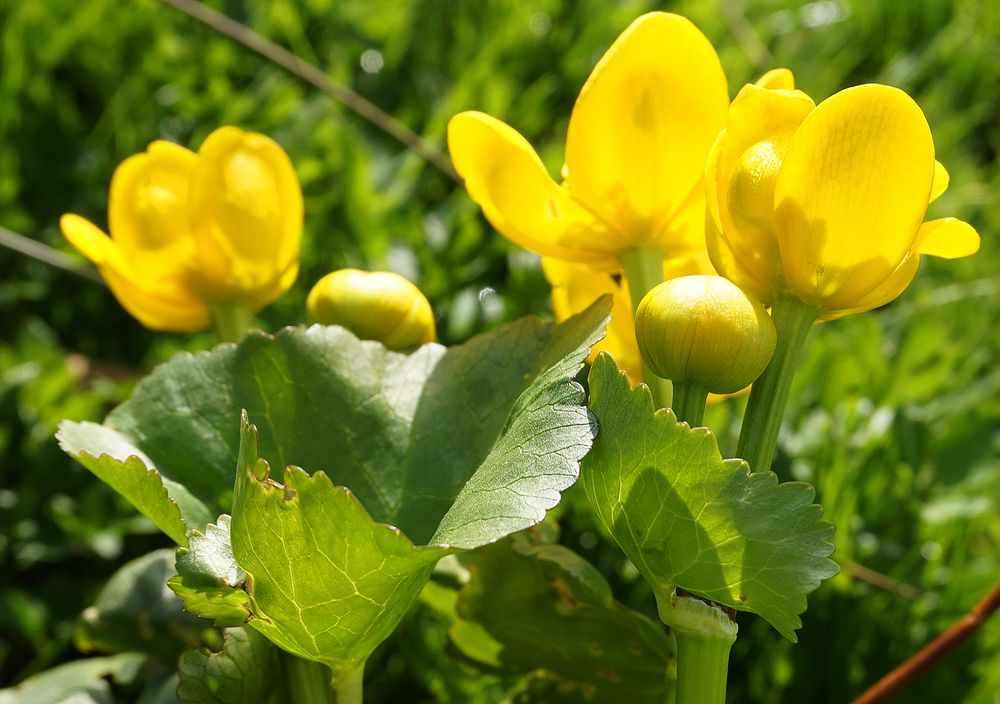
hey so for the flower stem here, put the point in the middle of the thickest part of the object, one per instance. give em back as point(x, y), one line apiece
point(793, 318)
point(348, 685)
point(689, 402)
point(309, 682)
point(704, 635)
point(231, 321)
point(643, 271)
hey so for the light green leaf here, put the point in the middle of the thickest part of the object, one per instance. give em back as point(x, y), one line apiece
point(456, 447)
point(134, 613)
point(208, 578)
point(115, 460)
point(326, 582)
point(688, 518)
point(246, 671)
point(532, 606)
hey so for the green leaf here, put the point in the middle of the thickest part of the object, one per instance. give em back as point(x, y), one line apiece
point(326, 582)
point(529, 606)
point(688, 518)
point(117, 462)
point(456, 447)
point(79, 682)
point(133, 612)
point(208, 578)
point(246, 671)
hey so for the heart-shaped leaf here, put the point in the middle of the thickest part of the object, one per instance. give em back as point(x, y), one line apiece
point(442, 450)
point(456, 447)
point(325, 581)
point(690, 519)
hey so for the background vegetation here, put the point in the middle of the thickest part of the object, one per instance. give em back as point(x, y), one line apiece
point(896, 414)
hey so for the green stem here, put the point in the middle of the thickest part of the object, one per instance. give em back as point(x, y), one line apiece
point(704, 635)
point(231, 321)
point(644, 271)
point(793, 318)
point(689, 402)
point(308, 681)
point(348, 685)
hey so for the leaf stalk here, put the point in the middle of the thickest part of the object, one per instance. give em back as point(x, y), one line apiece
point(704, 634)
point(793, 319)
point(309, 682)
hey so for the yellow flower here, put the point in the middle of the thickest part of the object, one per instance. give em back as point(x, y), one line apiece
point(376, 305)
point(826, 202)
point(576, 286)
point(191, 232)
point(635, 153)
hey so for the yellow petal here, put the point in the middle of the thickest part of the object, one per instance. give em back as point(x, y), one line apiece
point(777, 79)
point(852, 192)
point(949, 238)
point(740, 178)
point(246, 216)
point(940, 183)
point(87, 238)
point(504, 175)
point(148, 209)
point(643, 126)
point(688, 266)
point(884, 293)
point(157, 304)
point(576, 286)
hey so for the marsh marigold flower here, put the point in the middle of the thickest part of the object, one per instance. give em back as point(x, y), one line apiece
point(635, 153)
point(826, 202)
point(376, 305)
point(193, 231)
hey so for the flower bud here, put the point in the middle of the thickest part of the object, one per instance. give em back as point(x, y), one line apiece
point(705, 330)
point(374, 306)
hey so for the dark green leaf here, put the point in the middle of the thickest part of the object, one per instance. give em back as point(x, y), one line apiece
point(246, 671)
point(531, 606)
point(133, 612)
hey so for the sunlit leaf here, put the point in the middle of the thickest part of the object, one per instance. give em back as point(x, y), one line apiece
point(688, 518)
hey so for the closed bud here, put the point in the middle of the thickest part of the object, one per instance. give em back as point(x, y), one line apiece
point(374, 306)
point(704, 330)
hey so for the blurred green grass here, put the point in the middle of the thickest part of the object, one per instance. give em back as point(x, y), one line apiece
point(896, 414)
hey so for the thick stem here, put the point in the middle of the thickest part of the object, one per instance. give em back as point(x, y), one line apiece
point(689, 402)
point(793, 318)
point(704, 635)
point(643, 271)
point(308, 681)
point(348, 685)
point(231, 321)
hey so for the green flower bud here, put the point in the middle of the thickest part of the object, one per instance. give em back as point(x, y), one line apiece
point(704, 330)
point(374, 306)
